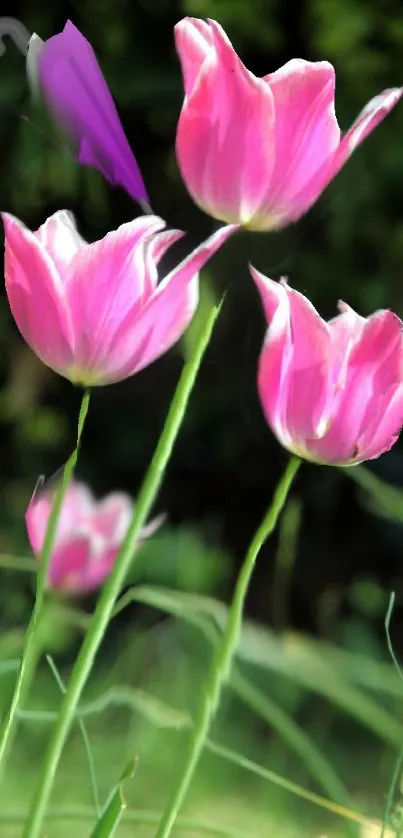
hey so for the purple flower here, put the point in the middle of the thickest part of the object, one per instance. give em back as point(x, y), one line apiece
point(65, 72)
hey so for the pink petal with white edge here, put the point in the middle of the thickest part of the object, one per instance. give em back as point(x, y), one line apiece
point(112, 518)
point(306, 128)
point(308, 375)
point(37, 296)
point(77, 503)
point(275, 355)
point(147, 334)
point(345, 332)
point(299, 343)
point(108, 279)
point(224, 137)
point(153, 526)
point(381, 437)
point(385, 411)
point(374, 112)
point(193, 39)
point(61, 239)
point(154, 251)
point(36, 518)
point(374, 367)
point(98, 568)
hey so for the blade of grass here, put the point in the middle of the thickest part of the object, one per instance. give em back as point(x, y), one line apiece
point(288, 655)
point(372, 675)
point(320, 768)
point(32, 645)
point(83, 730)
point(125, 698)
point(315, 761)
point(166, 717)
point(289, 527)
point(399, 762)
point(111, 817)
point(384, 499)
point(155, 711)
point(140, 817)
point(224, 652)
point(294, 788)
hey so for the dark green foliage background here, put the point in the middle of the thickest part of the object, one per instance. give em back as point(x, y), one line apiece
point(350, 246)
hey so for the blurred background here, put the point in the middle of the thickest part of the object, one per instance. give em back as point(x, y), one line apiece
point(319, 700)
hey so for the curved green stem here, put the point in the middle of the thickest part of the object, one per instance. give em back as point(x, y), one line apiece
point(31, 649)
point(225, 651)
point(103, 612)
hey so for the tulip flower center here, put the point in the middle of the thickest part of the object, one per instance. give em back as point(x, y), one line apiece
point(84, 378)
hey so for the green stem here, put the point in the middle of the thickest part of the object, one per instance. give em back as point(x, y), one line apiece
point(103, 612)
point(225, 651)
point(30, 652)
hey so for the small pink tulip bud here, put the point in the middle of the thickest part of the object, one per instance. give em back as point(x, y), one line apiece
point(88, 536)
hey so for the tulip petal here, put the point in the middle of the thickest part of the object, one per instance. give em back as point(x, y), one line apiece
point(154, 252)
point(95, 572)
point(309, 372)
point(36, 296)
point(345, 332)
point(306, 128)
point(381, 435)
point(112, 517)
point(108, 281)
point(275, 355)
point(294, 370)
point(145, 335)
point(374, 367)
point(78, 95)
point(68, 563)
point(78, 503)
point(153, 526)
point(374, 112)
point(61, 240)
point(36, 518)
point(193, 39)
point(226, 170)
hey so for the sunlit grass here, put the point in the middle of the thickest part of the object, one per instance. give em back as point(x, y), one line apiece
point(167, 662)
point(304, 744)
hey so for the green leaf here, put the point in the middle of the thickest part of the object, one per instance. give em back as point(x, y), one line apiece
point(291, 655)
point(381, 498)
point(83, 730)
point(110, 818)
point(151, 708)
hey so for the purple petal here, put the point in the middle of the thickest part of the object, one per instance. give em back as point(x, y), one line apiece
point(78, 96)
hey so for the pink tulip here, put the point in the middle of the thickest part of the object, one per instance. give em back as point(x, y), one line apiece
point(331, 392)
point(95, 313)
point(259, 151)
point(88, 536)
